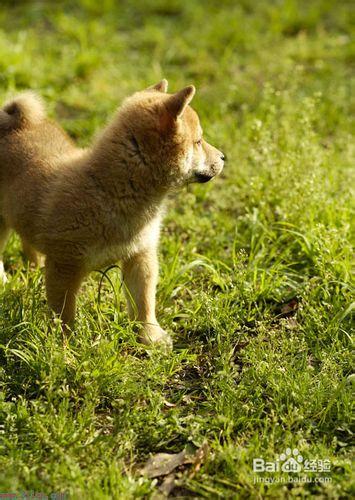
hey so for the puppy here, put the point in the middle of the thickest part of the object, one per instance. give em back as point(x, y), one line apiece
point(87, 208)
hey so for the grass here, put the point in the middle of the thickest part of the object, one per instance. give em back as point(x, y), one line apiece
point(255, 267)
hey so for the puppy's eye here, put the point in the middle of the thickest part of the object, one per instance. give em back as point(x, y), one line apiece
point(199, 142)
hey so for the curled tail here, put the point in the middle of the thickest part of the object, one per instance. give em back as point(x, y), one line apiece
point(25, 109)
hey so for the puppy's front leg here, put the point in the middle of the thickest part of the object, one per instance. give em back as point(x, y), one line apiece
point(140, 275)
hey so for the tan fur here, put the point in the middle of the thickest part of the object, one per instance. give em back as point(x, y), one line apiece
point(27, 106)
point(87, 208)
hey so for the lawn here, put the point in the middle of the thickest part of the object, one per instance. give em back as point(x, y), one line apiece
point(255, 267)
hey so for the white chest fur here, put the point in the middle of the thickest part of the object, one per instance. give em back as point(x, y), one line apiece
point(101, 255)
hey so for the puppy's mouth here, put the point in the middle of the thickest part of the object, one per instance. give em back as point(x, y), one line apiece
point(202, 178)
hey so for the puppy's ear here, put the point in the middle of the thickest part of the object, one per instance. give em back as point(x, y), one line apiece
point(160, 86)
point(177, 103)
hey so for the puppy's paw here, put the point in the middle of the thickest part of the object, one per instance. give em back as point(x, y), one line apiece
point(3, 277)
point(41, 261)
point(155, 335)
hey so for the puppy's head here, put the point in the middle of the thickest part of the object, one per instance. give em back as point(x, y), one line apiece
point(166, 134)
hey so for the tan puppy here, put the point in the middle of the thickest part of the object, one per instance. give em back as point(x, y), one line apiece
point(87, 208)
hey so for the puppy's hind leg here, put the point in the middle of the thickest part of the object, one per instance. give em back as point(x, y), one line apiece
point(62, 285)
point(34, 257)
point(4, 235)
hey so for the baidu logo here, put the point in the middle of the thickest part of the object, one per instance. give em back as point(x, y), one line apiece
point(291, 467)
point(291, 462)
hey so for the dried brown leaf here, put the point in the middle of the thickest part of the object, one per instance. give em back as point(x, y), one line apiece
point(199, 457)
point(168, 484)
point(162, 464)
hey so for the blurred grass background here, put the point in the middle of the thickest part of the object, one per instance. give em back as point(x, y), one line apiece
point(255, 267)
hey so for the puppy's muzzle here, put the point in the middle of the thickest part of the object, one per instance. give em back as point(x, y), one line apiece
point(202, 178)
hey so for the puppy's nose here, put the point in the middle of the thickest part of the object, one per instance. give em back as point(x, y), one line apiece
point(223, 157)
